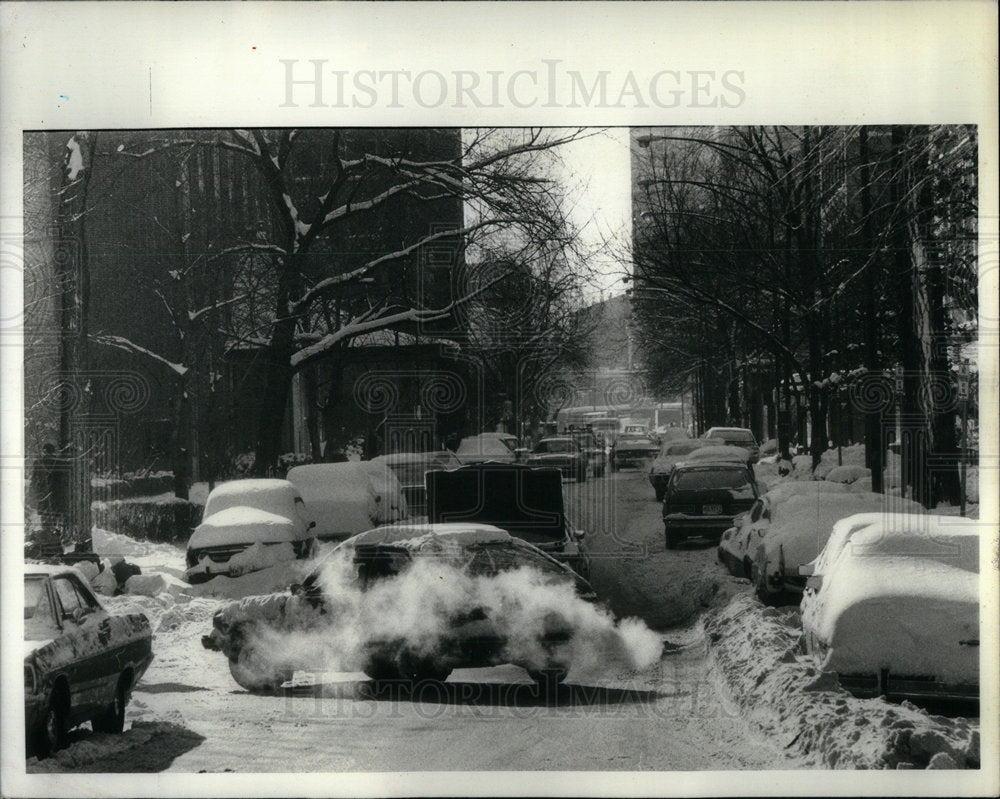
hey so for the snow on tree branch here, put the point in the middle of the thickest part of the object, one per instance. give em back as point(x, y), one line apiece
point(123, 343)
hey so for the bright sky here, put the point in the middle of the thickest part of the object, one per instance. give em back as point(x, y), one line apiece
point(597, 180)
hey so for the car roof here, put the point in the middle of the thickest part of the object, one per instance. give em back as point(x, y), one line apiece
point(252, 485)
point(458, 532)
point(413, 457)
point(728, 430)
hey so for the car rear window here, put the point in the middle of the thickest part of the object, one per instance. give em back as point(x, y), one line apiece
point(699, 479)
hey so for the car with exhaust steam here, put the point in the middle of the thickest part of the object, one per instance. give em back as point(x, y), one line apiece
point(378, 562)
point(81, 662)
point(247, 526)
point(891, 605)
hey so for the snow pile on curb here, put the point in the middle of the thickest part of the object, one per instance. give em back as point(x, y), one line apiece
point(848, 474)
point(756, 650)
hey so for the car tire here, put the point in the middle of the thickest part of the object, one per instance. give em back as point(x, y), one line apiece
point(758, 577)
point(112, 720)
point(548, 679)
point(660, 492)
point(51, 736)
point(672, 538)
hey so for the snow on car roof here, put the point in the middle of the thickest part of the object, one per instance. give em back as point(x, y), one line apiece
point(251, 486)
point(241, 515)
point(463, 534)
point(723, 453)
point(792, 488)
point(400, 458)
point(950, 540)
point(728, 430)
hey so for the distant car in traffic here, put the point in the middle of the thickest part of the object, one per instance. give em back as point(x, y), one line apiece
point(633, 449)
point(249, 525)
point(349, 497)
point(81, 663)
point(798, 530)
point(593, 447)
point(671, 453)
point(704, 499)
point(410, 468)
point(891, 605)
point(563, 453)
point(524, 500)
point(471, 638)
point(736, 437)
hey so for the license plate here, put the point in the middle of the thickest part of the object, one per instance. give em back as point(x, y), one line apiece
point(711, 510)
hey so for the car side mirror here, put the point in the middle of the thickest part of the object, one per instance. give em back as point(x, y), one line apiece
point(79, 614)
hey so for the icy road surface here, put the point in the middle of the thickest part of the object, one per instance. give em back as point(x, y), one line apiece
point(188, 715)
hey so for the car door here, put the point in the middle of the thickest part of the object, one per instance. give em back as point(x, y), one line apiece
point(89, 635)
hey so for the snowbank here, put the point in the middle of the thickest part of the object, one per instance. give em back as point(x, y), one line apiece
point(102, 746)
point(757, 653)
point(848, 474)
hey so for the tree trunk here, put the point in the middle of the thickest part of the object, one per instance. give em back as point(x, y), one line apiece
point(274, 393)
point(873, 418)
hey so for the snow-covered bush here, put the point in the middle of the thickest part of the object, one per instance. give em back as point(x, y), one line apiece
point(163, 518)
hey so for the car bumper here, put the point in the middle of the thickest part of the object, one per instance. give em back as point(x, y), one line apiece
point(708, 526)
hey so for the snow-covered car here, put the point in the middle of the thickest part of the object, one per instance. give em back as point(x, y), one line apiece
point(892, 606)
point(750, 528)
point(593, 448)
point(349, 497)
point(736, 437)
point(249, 525)
point(410, 468)
point(704, 499)
point(671, 453)
point(467, 638)
point(799, 529)
point(81, 663)
point(507, 438)
point(562, 453)
point(483, 448)
point(633, 449)
point(713, 453)
point(523, 500)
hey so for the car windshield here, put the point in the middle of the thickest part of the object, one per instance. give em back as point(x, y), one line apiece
point(681, 447)
point(272, 499)
point(711, 478)
point(734, 437)
point(556, 445)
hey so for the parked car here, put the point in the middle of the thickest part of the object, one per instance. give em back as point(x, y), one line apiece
point(892, 606)
point(563, 453)
point(349, 497)
point(410, 468)
point(593, 448)
point(523, 500)
point(799, 529)
point(472, 639)
point(249, 525)
point(671, 453)
point(736, 437)
point(483, 448)
point(736, 541)
point(704, 499)
point(633, 449)
point(81, 663)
